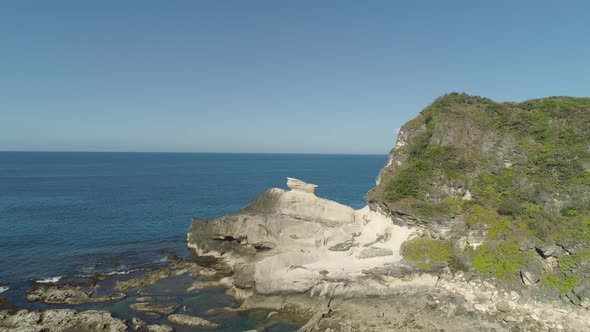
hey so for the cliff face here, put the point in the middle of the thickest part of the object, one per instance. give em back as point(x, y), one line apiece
point(495, 180)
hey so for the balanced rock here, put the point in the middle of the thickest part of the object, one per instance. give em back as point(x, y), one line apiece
point(298, 185)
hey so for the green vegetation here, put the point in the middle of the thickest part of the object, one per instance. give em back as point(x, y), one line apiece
point(501, 260)
point(423, 251)
point(427, 164)
point(526, 166)
point(562, 282)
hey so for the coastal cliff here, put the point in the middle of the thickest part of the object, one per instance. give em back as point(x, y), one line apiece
point(483, 210)
point(505, 186)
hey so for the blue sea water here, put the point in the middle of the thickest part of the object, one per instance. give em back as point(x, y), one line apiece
point(64, 214)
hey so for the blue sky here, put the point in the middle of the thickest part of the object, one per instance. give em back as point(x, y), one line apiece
point(269, 76)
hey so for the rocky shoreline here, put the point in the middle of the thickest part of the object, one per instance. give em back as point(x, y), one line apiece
point(365, 285)
point(346, 274)
point(292, 251)
point(154, 302)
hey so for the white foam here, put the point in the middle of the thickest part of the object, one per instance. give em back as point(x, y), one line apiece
point(162, 260)
point(49, 280)
point(120, 272)
point(3, 289)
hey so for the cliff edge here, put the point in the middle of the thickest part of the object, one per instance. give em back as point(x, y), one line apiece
point(503, 188)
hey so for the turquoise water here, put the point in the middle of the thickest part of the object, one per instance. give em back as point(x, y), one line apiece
point(67, 214)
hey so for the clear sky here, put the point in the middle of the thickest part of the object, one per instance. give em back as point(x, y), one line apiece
point(269, 76)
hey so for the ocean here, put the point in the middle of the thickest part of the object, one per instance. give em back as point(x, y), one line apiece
point(74, 213)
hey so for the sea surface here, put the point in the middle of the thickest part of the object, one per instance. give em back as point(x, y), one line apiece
point(70, 214)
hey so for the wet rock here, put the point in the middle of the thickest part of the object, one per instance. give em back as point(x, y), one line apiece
point(152, 315)
point(159, 328)
point(531, 272)
point(60, 320)
point(144, 299)
point(137, 324)
point(159, 308)
point(174, 268)
point(68, 294)
point(192, 321)
point(199, 285)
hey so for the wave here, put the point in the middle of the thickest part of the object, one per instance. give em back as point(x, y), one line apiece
point(162, 260)
point(3, 289)
point(49, 280)
point(120, 272)
point(89, 272)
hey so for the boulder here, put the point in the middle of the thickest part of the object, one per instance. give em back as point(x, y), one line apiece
point(137, 324)
point(547, 250)
point(159, 308)
point(503, 306)
point(61, 320)
point(531, 272)
point(69, 294)
point(159, 328)
point(192, 321)
point(580, 295)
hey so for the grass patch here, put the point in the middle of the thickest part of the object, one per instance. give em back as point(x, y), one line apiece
point(501, 260)
point(561, 282)
point(423, 251)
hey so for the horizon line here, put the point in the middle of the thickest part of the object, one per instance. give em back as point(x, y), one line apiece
point(195, 152)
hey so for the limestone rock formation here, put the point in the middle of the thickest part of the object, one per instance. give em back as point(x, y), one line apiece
point(480, 220)
point(505, 184)
point(298, 185)
point(293, 241)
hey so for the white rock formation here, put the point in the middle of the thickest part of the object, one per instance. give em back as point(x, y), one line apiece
point(298, 185)
point(293, 241)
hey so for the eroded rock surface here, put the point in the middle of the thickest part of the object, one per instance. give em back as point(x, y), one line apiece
point(192, 321)
point(294, 241)
point(69, 294)
point(60, 320)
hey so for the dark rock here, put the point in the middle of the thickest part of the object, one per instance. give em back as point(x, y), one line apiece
point(375, 252)
point(548, 250)
point(344, 246)
point(137, 324)
point(159, 308)
point(573, 297)
point(468, 276)
point(114, 263)
point(69, 294)
point(244, 275)
point(531, 272)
